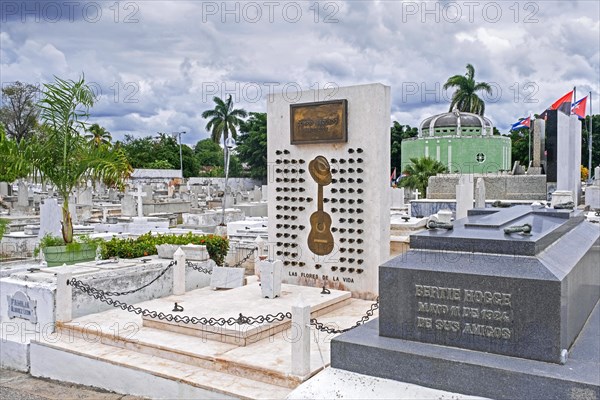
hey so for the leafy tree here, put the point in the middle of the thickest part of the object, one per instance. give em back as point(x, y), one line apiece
point(64, 157)
point(252, 144)
point(19, 112)
point(139, 151)
point(465, 97)
point(145, 152)
point(160, 164)
point(209, 154)
point(191, 166)
point(98, 136)
point(16, 157)
point(595, 141)
point(398, 134)
point(419, 171)
point(520, 145)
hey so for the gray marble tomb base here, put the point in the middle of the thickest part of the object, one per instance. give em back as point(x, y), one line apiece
point(458, 370)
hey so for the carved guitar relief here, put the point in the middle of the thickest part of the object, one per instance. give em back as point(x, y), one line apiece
point(320, 239)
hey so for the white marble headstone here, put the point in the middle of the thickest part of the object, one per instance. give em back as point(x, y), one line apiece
point(227, 278)
point(464, 195)
point(480, 193)
point(568, 154)
point(397, 197)
point(128, 206)
point(50, 218)
point(85, 197)
point(368, 121)
point(23, 195)
point(3, 189)
point(264, 193)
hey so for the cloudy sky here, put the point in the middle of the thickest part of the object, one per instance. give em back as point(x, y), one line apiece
point(156, 65)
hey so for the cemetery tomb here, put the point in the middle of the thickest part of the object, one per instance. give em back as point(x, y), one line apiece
point(328, 186)
point(521, 282)
point(462, 141)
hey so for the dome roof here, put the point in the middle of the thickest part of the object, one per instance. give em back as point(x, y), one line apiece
point(455, 123)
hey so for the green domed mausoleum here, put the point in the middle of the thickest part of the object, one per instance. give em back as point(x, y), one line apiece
point(464, 142)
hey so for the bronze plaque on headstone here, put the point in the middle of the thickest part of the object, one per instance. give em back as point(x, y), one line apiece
point(320, 122)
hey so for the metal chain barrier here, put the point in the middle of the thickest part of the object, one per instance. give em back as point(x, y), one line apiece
point(239, 263)
point(240, 320)
point(323, 328)
point(198, 268)
point(164, 271)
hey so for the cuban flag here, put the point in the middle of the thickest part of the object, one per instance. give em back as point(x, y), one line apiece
point(524, 123)
point(578, 107)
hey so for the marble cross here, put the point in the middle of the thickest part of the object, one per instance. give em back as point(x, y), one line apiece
point(416, 193)
point(139, 194)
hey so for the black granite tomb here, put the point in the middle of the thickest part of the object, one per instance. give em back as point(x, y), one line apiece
point(477, 304)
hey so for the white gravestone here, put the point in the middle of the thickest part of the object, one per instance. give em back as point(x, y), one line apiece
point(592, 193)
point(128, 206)
point(73, 212)
point(50, 218)
point(464, 195)
point(85, 197)
point(480, 193)
point(270, 278)
point(194, 200)
point(113, 195)
point(367, 149)
point(140, 205)
point(257, 194)
point(264, 193)
point(149, 191)
point(23, 195)
point(227, 277)
point(3, 189)
point(397, 197)
point(568, 157)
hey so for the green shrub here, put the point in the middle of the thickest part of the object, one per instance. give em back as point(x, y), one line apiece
point(3, 224)
point(145, 245)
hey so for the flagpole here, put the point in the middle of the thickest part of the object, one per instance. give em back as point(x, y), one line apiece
point(529, 151)
point(590, 144)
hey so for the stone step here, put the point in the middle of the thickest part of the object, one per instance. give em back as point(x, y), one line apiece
point(167, 345)
point(83, 361)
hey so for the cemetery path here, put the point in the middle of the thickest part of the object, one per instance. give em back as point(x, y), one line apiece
point(22, 386)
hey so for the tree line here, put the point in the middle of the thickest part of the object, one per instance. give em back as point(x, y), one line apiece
point(20, 113)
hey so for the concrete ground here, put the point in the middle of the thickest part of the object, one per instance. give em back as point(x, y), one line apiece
point(21, 386)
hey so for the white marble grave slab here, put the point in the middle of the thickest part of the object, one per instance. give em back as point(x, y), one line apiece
point(227, 278)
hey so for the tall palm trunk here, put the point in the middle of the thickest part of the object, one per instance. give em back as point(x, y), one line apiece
point(67, 222)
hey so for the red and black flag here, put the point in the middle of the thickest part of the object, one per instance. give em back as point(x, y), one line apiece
point(564, 103)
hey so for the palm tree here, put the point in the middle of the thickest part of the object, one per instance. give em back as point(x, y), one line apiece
point(465, 98)
point(98, 136)
point(224, 119)
point(64, 157)
point(419, 171)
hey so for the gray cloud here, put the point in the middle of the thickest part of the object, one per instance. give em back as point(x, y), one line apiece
point(158, 64)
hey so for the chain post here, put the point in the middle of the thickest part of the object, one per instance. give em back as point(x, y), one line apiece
point(179, 272)
point(64, 296)
point(300, 339)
